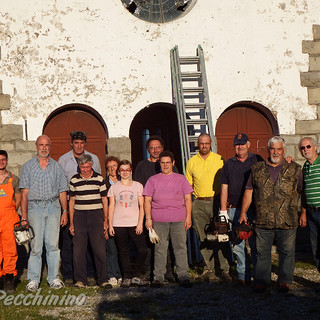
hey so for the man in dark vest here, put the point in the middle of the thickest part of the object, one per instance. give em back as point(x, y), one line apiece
point(274, 186)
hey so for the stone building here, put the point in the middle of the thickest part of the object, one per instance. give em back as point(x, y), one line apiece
point(104, 67)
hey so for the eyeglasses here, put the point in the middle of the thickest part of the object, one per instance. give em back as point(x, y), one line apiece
point(125, 170)
point(305, 147)
point(155, 148)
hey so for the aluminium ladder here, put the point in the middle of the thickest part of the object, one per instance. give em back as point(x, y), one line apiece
point(191, 97)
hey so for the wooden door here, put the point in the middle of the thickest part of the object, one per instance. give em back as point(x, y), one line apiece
point(245, 120)
point(58, 128)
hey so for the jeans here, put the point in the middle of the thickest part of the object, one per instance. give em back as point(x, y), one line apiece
point(112, 259)
point(122, 235)
point(177, 233)
point(314, 226)
point(88, 225)
point(44, 217)
point(239, 248)
point(286, 243)
point(202, 214)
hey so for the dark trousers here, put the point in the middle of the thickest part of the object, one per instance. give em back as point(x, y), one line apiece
point(88, 225)
point(66, 253)
point(122, 236)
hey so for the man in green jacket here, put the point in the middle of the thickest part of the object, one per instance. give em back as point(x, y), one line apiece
point(274, 186)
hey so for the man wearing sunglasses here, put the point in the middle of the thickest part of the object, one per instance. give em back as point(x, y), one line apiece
point(311, 205)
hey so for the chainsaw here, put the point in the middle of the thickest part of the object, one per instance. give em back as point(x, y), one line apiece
point(23, 234)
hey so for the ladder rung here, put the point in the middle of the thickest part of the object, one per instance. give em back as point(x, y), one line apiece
point(194, 89)
point(187, 75)
point(192, 138)
point(196, 121)
point(189, 60)
point(195, 105)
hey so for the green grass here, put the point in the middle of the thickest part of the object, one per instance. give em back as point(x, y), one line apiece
point(13, 306)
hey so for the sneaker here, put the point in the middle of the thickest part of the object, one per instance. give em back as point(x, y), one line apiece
point(79, 284)
point(106, 285)
point(32, 286)
point(113, 281)
point(119, 281)
point(91, 282)
point(225, 276)
point(56, 284)
point(68, 283)
point(138, 282)
point(126, 283)
point(283, 287)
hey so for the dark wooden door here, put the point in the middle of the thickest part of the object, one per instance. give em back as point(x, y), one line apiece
point(58, 128)
point(246, 120)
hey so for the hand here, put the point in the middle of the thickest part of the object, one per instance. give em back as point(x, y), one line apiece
point(303, 220)
point(64, 219)
point(289, 159)
point(224, 214)
point(111, 231)
point(139, 229)
point(148, 224)
point(187, 223)
point(242, 218)
point(71, 229)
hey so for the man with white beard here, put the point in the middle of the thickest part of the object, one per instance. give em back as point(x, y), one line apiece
point(274, 186)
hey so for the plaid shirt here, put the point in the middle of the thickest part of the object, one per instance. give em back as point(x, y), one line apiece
point(43, 184)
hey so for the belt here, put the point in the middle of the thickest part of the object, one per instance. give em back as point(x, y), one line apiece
point(45, 201)
point(314, 208)
point(232, 206)
point(205, 198)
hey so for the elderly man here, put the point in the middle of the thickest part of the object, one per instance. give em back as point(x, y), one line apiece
point(42, 185)
point(70, 164)
point(274, 185)
point(10, 198)
point(203, 173)
point(311, 203)
point(88, 208)
point(234, 176)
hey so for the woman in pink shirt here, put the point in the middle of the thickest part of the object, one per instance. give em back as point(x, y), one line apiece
point(126, 221)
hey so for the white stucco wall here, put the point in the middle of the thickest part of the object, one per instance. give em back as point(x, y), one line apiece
point(96, 53)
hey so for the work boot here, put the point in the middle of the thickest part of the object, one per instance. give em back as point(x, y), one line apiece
point(9, 283)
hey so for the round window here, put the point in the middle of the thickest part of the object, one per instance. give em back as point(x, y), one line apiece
point(158, 11)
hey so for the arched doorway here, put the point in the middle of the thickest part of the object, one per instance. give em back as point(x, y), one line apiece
point(247, 117)
point(75, 117)
point(157, 119)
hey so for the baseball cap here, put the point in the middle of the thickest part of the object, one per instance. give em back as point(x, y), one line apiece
point(240, 138)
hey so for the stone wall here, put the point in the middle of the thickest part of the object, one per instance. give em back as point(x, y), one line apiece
point(11, 139)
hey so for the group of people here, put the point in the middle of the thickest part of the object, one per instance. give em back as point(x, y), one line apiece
point(104, 223)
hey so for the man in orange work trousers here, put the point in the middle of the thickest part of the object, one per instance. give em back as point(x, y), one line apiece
point(10, 198)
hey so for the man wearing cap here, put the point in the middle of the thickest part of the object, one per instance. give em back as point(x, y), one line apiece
point(70, 164)
point(234, 176)
point(203, 174)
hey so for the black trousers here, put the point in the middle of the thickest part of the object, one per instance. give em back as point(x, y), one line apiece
point(88, 225)
point(122, 236)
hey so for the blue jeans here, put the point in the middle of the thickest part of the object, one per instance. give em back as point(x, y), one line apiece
point(286, 243)
point(44, 217)
point(239, 249)
point(112, 259)
point(176, 232)
point(314, 226)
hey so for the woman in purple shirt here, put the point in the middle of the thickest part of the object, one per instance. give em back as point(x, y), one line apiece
point(168, 207)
